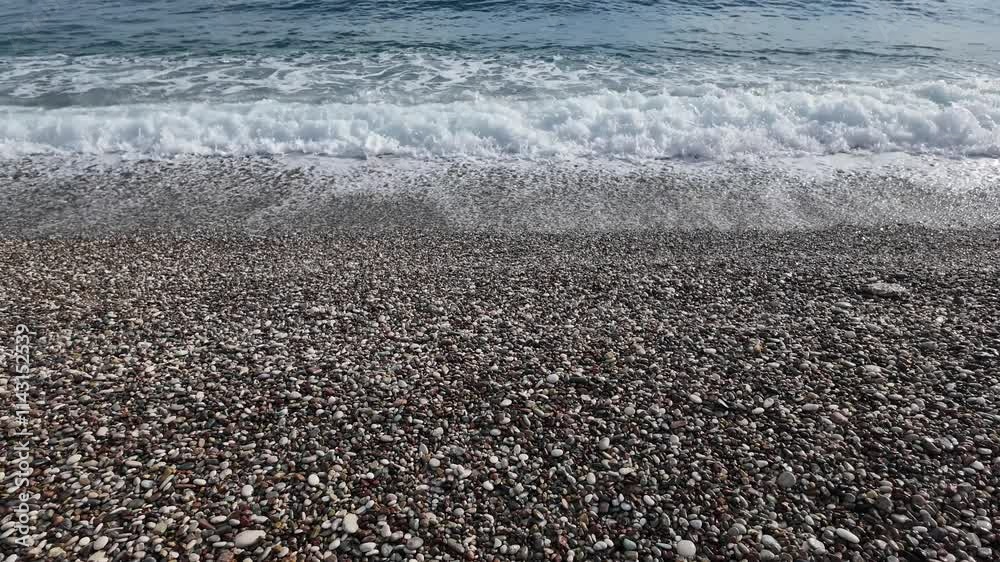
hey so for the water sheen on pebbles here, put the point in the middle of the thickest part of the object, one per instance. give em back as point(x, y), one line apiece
point(386, 396)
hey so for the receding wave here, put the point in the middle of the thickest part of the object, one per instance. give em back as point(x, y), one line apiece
point(697, 122)
point(47, 196)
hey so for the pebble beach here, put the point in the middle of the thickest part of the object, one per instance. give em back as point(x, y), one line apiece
point(546, 281)
point(438, 394)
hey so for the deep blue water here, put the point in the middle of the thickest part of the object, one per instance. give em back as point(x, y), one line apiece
point(491, 79)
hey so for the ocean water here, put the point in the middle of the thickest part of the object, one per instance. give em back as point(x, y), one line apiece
point(431, 79)
point(901, 87)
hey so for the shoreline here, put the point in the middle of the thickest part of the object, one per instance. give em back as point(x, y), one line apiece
point(442, 394)
point(270, 197)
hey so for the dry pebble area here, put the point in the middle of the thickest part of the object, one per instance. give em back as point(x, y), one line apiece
point(825, 395)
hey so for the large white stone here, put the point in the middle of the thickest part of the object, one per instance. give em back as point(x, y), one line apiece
point(351, 523)
point(686, 549)
point(248, 538)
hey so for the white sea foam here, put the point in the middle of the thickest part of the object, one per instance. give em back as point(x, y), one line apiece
point(429, 106)
point(702, 121)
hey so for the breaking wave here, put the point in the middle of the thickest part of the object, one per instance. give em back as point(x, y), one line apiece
point(686, 121)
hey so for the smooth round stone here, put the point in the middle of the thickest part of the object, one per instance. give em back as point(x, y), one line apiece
point(695, 398)
point(786, 479)
point(848, 536)
point(604, 444)
point(351, 523)
point(816, 545)
point(686, 549)
point(246, 491)
point(414, 543)
point(248, 538)
point(557, 452)
point(313, 480)
point(552, 378)
point(884, 503)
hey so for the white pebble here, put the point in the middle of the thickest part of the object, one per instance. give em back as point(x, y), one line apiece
point(686, 549)
point(248, 538)
point(848, 536)
point(351, 523)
